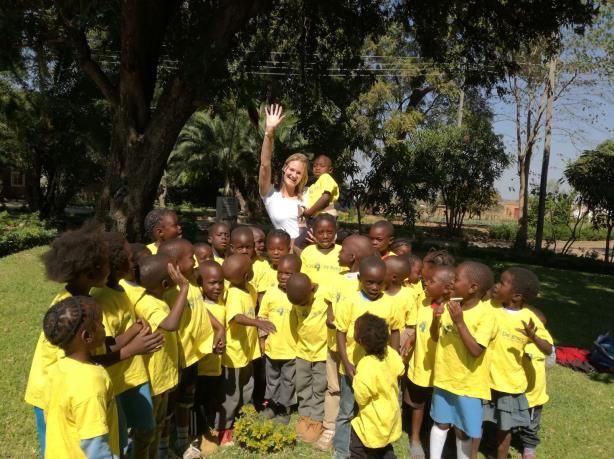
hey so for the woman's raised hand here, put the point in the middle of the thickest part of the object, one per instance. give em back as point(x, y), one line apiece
point(274, 116)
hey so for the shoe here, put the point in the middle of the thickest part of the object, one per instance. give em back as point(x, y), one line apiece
point(192, 452)
point(226, 437)
point(208, 442)
point(301, 426)
point(283, 418)
point(314, 430)
point(268, 413)
point(325, 442)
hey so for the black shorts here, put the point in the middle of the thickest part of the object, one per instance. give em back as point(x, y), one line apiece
point(418, 395)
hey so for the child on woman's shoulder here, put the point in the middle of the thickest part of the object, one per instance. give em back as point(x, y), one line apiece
point(81, 411)
point(219, 236)
point(279, 348)
point(517, 328)
point(161, 225)
point(242, 348)
point(309, 311)
point(463, 329)
point(321, 260)
point(381, 234)
point(322, 195)
point(157, 277)
point(376, 389)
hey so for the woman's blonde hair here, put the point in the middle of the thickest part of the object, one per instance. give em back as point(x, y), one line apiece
point(301, 184)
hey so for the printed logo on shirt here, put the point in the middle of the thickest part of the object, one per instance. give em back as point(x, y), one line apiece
point(422, 326)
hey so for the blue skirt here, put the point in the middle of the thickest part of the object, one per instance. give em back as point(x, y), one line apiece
point(464, 413)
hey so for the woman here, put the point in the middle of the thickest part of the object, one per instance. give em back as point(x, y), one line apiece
point(283, 203)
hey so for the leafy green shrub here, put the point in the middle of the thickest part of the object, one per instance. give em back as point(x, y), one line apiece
point(261, 435)
point(22, 231)
point(503, 231)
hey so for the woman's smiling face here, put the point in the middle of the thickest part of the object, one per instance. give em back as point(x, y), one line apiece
point(293, 172)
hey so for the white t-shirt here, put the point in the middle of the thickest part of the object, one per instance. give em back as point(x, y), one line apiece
point(282, 211)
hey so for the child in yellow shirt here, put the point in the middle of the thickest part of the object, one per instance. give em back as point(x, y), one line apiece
point(158, 276)
point(202, 252)
point(381, 234)
point(279, 348)
point(309, 310)
point(376, 387)
point(259, 242)
point(81, 412)
point(463, 329)
point(242, 348)
point(517, 328)
point(161, 225)
point(401, 246)
point(397, 271)
point(370, 298)
point(219, 236)
point(321, 260)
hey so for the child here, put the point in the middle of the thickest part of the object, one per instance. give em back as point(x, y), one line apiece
point(517, 327)
point(321, 261)
point(259, 241)
point(309, 309)
point(432, 259)
point(419, 385)
point(278, 244)
point(263, 276)
point(196, 334)
point(397, 272)
point(401, 246)
point(353, 249)
point(80, 260)
point(129, 376)
point(376, 388)
point(462, 330)
point(219, 234)
point(158, 276)
point(241, 341)
point(381, 234)
point(130, 281)
point(280, 347)
point(81, 412)
point(203, 252)
point(211, 279)
point(161, 225)
point(372, 273)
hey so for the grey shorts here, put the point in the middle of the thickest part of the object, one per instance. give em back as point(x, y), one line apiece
point(507, 411)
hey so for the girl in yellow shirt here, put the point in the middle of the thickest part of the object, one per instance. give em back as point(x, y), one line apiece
point(161, 225)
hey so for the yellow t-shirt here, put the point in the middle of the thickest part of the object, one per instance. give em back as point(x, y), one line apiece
point(81, 405)
point(265, 276)
point(163, 365)
point(211, 364)
point(417, 295)
point(456, 370)
point(534, 363)
point(506, 351)
point(376, 389)
point(422, 360)
point(218, 260)
point(404, 305)
point(153, 248)
point(133, 290)
point(320, 267)
point(311, 329)
point(325, 183)
point(195, 331)
point(354, 306)
point(241, 341)
point(276, 307)
point(45, 354)
point(336, 290)
point(117, 318)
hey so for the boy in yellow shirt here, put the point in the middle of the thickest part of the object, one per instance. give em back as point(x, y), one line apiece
point(397, 272)
point(241, 341)
point(419, 387)
point(219, 236)
point(517, 328)
point(463, 330)
point(321, 260)
point(376, 387)
point(158, 276)
point(202, 252)
point(81, 411)
point(161, 225)
point(259, 241)
point(370, 298)
point(279, 348)
point(401, 246)
point(381, 234)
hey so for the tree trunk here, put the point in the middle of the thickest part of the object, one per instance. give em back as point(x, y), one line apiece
point(541, 211)
point(607, 244)
point(524, 166)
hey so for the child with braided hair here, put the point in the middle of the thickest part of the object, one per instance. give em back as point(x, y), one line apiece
point(81, 412)
point(161, 225)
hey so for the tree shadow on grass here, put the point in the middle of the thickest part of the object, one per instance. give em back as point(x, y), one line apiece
point(607, 378)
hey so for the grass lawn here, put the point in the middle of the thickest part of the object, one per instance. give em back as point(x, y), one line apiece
point(578, 421)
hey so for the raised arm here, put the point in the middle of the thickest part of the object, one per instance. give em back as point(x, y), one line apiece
point(274, 116)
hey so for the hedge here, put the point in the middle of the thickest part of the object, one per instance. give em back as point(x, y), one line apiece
point(20, 231)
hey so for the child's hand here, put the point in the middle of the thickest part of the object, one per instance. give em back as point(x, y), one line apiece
point(266, 326)
point(456, 311)
point(176, 276)
point(406, 347)
point(219, 342)
point(350, 370)
point(145, 342)
point(529, 329)
point(273, 117)
point(438, 311)
point(143, 323)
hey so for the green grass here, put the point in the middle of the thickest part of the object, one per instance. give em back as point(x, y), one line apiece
point(578, 421)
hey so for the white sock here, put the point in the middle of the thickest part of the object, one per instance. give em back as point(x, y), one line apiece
point(463, 448)
point(437, 441)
